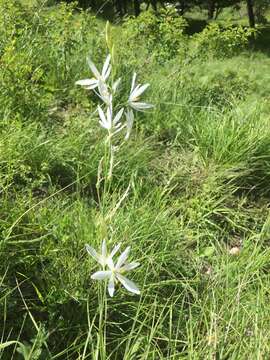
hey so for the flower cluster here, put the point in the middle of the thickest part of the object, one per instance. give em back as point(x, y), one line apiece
point(113, 271)
point(111, 115)
point(99, 84)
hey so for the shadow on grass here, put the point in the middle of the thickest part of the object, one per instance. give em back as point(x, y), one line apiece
point(262, 42)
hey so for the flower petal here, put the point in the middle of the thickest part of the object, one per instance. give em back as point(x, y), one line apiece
point(133, 82)
point(104, 249)
point(107, 74)
point(93, 68)
point(104, 93)
point(86, 82)
point(118, 128)
point(105, 126)
point(130, 121)
point(102, 117)
point(118, 116)
point(111, 286)
point(128, 284)
point(109, 116)
point(131, 96)
point(106, 67)
point(110, 263)
point(115, 249)
point(92, 86)
point(129, 266)
point(122, 258)
point(101, 275)
point(139, 90)
point(91, 251)
point(140, 106)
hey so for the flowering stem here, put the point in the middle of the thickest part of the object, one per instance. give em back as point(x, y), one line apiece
point(109, 157)
point(107, 171)
point(111, 162)
point(102, 299)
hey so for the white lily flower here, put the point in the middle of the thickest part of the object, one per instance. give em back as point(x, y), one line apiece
point(104, 257)
point(107, 121)
point(135, 93)
point(114, 274)
point(130, 121)
point(104, 93)
point(93, 83)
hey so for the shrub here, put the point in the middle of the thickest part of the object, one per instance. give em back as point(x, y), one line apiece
point(220, 90)
point(218, 41)
point(38, 52)
point(162, 34)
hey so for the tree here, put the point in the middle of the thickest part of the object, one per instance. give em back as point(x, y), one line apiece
point(120, 7)
point(260, 8)
point(214, 7)
point(153, 4)
point(251, 15)
point(211, 9)
point(137, 8)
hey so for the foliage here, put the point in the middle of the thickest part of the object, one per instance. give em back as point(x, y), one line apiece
point(162, 34)
point(221, 41)
point(196, 215)
point(35, 76)
point(261, 7)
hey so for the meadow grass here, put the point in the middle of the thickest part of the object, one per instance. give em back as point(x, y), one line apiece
point(196, 215)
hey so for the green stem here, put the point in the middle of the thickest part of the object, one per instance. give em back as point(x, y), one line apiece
point(102, 299)
point(108, 169)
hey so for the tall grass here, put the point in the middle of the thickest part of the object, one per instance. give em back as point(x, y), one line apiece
point(198, 169)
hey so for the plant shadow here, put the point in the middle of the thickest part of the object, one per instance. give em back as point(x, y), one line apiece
point(262, 42)
point(195, 26)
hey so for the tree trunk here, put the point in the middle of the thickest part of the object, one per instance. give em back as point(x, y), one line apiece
point(137, 9)
point(211, 9)
point(251, 16)
point(125, 6)
point(218, 12)
point(154, 4)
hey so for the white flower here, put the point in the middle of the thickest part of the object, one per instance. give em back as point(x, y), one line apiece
point(93, 83)
point(135, 93)
point(103, 258)
point(114, 274)
point(130, 121)
point(104, 93)
point(107, 121)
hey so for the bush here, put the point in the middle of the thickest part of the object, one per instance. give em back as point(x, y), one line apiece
point(39, 61)
point(221, 42)
point(162, 34)
point(221, 90)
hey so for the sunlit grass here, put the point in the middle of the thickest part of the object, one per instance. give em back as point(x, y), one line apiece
point(197, 170)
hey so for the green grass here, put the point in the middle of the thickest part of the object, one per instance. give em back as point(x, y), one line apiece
point(198, 170)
